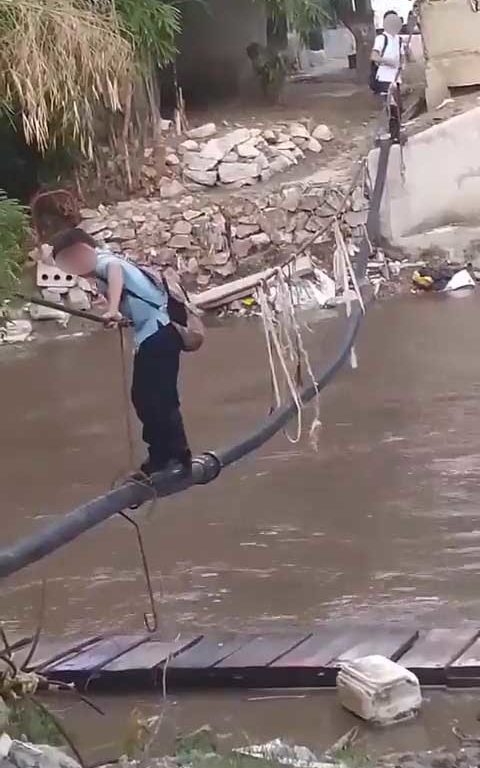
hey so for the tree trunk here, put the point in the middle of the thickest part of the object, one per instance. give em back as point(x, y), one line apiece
point(277, 32)
point(364, 34)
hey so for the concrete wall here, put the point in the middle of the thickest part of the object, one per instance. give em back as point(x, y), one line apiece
point(213, 62)
point(437, 203)
point(451, 33)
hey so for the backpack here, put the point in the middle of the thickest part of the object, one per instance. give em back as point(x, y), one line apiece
point(182, 313)
point(372, 79)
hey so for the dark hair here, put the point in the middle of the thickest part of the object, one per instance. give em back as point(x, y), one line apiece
point(389, 13)
point(70, 237)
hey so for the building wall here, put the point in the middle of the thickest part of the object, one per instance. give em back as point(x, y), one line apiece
point(451, 34)
point(213, 62)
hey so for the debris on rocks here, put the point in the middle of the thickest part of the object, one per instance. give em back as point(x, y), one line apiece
point(447, 277)
point(378, 690)
point(279, 751)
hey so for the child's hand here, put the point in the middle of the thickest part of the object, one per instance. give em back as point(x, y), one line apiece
point(112, 318)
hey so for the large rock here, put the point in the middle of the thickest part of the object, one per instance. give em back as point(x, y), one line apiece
point(241, 248)
point(180, 242)
point(182, 227)
point(286, 145)
point(218, 259)
point(245, 230)
point(171, 188)
point(24, 755)
point(205, 178)
point(189, 146)
point(273, 220)
point(260, 241)
point(322, 133)
point(292, 198)
point(202, 131)
point(196, 162)
point(232, 157)
point(237, 172)
point(226, 270)
point(297, 130)
point(314, 145)
point(248, 149)
point(218, 148)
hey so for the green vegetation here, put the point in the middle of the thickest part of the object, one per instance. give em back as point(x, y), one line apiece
point(13, 238)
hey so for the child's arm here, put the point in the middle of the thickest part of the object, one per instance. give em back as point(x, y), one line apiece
point(114, 293)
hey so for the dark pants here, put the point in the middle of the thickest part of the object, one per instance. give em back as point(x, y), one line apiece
point(395, 109)
point(155, 398)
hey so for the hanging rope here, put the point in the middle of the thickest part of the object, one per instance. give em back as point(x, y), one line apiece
point(274, 345)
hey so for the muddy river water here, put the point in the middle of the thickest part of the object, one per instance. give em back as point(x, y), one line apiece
point(382, 524)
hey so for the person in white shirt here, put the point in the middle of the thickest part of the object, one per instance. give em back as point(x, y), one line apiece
point(387, 60)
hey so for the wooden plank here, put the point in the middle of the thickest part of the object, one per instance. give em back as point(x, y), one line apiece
point(149, 655)
point(51, 649)
point(85, 664)
point(392, 642)
point(435, 651)
point(262, 650)
point(318, 650)
point(209, 652)
point(465, 670)
point(236, 289)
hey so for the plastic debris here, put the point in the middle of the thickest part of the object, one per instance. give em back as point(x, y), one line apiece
point(280, 752)
point(461, 279)
point(444, 278)
point(15, 331)
point(378, 690)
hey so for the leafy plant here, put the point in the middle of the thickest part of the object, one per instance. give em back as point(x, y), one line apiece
point(13, 238)
point(301, 15)
point(152, 27)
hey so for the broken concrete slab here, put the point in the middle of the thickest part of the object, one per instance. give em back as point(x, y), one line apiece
point(202, 131)
point(205, 178)
point(218, 148)
point(235, 172)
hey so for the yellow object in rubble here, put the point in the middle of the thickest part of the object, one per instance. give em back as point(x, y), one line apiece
point(423, 281)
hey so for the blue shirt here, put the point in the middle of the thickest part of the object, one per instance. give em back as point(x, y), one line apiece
point(145, 318)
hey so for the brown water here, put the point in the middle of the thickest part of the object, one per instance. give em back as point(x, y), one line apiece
point(381, 525)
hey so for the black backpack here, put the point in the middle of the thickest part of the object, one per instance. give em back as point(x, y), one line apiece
point(372, 80)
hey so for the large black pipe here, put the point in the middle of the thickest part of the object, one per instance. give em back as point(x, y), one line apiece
point(207, 466)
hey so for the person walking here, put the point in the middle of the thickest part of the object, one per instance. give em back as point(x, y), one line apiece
point(387, 59)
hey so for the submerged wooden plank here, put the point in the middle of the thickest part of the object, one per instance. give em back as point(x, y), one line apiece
point(50, 649)
point(392, 642)
point(209, 651)
point(435, 651)
point(465, 670)
point(150, 655)
point(83, 665)
point(262, 651)
point(318, 649)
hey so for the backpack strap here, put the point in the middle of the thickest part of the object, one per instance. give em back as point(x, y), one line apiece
point(385, 43)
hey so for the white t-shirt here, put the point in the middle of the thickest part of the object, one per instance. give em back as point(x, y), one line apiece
point(393, 50)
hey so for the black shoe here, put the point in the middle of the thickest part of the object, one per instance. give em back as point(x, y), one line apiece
point(149, 467)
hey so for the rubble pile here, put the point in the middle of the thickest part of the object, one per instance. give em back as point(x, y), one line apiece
point(233, 159)
point(208, 241)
